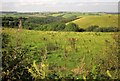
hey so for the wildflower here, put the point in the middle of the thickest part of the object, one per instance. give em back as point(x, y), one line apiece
point(43, 65)
point(108, 73)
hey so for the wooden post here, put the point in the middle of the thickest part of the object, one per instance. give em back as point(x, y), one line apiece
point(18, 32)
point(20, 24)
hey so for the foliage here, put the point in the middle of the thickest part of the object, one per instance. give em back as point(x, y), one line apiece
point(5, 40)
point(58, 26)
point(38, 72)
point(91, 28)
point(11, 22)
point(102, 29)
point(71, 27)
point(106, 29)
point(15, 60)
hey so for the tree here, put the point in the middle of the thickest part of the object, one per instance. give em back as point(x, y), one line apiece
point(71, 27)
point(60, 26)
point(57, 26)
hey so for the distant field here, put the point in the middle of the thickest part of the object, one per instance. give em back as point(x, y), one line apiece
point(56, 14)
point(107, 20)
point(88, 47)
point(68, 15)
point(22, 15)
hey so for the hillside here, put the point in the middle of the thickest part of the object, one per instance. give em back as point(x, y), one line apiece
point(68, 51)
point(102, 21)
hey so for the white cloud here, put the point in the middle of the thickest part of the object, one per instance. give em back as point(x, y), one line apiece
point(59, 5)
point(60, 0)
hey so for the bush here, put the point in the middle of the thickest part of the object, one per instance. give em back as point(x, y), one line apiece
point(14, 63)
point(102, 29)
point(71, 27)
point(5, 40)
point(106, 29)
point(15, 60)
point(92, 28)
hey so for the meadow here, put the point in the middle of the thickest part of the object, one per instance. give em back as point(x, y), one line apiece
point(70, 54)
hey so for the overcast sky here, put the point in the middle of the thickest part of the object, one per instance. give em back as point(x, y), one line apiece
point(60, 5)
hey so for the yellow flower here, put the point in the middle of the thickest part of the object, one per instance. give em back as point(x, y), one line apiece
point(108, 73)
point(43, 65)
point(84, 78)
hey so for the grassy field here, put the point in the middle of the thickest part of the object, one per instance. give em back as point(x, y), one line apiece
point(23, 15)
point(71, 52)
point(107, 20)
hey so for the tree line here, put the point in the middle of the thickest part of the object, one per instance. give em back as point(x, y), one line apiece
point(52, 24)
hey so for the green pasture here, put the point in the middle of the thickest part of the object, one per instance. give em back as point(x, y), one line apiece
point(106, 20)
point(88, 45)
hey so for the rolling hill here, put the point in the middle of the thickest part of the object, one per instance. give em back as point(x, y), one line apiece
point(102, 21)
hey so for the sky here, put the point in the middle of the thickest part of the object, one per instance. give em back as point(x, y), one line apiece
point(60, 5)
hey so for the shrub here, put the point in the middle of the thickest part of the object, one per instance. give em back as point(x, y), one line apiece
point(106, 29)
point(14, 63)
point(92, 28)
point(15, 60)
point(102, 29)
point(5, 40)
